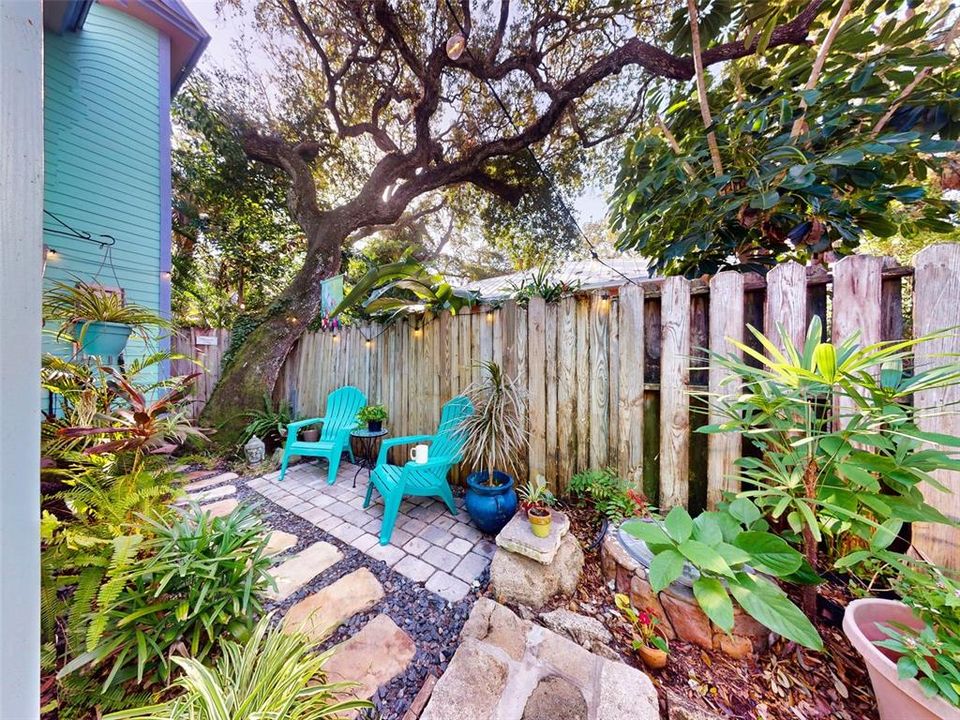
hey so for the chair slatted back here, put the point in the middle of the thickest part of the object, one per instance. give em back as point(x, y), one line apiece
point(343, 404)
point(449, 439)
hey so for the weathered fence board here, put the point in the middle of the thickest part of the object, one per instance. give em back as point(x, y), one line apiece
point(631, 384)
point(786, 304)
point(936, 306)
point(674, 392)
point(205, 346)
point(726, 323)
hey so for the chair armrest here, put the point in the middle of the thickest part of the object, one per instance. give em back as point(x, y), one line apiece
point(442, 461)
point(404, 440)
point(301, 423)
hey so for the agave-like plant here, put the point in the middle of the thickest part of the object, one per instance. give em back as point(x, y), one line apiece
point(273, 675)
point(496, 432)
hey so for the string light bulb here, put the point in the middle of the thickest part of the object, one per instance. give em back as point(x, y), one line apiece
point(455, 46)
point(369, 343)
point(489, 315)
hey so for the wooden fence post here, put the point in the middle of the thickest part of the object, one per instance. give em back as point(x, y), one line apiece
point(786, 305)
point(726, 323)
point(936, 306)
point(630, 454)
point(674, 392)
point(536, 386)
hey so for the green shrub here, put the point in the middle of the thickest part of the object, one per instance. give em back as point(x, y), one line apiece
point(725, 546)
point(610, 494)
point(843, 459)
point(267, 424)
point(272, 675)
point(199, 579)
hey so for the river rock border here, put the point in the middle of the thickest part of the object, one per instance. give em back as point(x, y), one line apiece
point(679, 614)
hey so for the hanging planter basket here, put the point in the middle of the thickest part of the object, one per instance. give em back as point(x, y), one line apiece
point(103, 339)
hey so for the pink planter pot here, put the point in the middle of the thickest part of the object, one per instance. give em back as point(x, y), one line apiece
point(897, 699)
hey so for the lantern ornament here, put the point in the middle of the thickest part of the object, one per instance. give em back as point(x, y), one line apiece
point(255, 451)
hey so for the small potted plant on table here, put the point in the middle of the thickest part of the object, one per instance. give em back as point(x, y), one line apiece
point(536, 500)
point(495, 435)
point(648, 641)
point(373, 416)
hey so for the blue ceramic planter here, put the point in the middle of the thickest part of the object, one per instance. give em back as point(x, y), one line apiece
point(490, 507)
point(104, 339)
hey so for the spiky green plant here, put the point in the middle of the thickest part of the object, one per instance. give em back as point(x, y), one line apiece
point(74, 307)
point(273, 675)
point(496, 432)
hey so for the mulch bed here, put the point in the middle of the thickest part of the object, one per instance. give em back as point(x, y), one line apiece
point(788, 682)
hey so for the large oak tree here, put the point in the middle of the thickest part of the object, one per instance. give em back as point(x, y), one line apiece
point(378, 83)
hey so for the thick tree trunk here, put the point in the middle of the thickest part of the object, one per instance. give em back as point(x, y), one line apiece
point(255, 370)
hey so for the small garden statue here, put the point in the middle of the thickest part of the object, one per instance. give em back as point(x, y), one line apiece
point(255, 450)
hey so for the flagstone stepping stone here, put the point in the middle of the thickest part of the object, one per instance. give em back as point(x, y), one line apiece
point(197, 475)
point(318, 615)
point(512, 669)
point(372, 657)
point(220, 508)
point(303, 567)
point(212, 494)
point(280, 541)
point(517, 537)
point(209, 482)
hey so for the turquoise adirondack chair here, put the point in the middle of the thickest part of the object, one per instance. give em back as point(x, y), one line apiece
point(424, 479)
point(343, 404)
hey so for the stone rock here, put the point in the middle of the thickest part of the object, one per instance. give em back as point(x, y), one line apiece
point(687, 620)
point(625, 692)
point(318, 615)
point(372, 657)
point(517, 537)
point(212, 494)
point(519, 580)
point(221, 508)
point(303, 567)
point(494, 624)
point(555, 698)
point(209, 482)
point(736, 646)
point(279, 541)
point(471, 687)
point(512, 669)
point(587, 632)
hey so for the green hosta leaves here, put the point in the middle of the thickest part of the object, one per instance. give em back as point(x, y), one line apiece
point(665, 569)
point(769, 553)
point(770, 606)
point(714, 601)
point(703, 557)
point(678, 524)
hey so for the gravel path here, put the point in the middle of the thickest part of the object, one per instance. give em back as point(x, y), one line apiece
point(432, 623)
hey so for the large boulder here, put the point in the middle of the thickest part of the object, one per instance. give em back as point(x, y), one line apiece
point(519, 580)
point(512, 669)
point(587, 632)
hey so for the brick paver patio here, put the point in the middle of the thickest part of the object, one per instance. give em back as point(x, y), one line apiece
point(429, 545)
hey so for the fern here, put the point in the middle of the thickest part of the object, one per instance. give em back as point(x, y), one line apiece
point(124, 554)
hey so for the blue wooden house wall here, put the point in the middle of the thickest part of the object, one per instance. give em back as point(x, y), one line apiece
point(106, 139)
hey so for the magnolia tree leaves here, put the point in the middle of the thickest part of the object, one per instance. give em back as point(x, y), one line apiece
point(785, 195)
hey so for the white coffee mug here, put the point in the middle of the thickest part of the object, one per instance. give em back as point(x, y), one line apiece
point(420, 454)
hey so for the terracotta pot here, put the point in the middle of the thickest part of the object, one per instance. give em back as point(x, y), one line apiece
point(653, 658)
point(540, 521)
point(897, 699)
point(310, 435)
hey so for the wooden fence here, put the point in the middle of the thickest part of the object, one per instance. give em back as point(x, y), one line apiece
point(609, 373)
point(203, 345)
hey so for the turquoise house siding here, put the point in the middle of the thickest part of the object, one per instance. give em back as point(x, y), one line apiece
point(106, 143)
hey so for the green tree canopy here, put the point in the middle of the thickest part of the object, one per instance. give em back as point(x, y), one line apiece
point(810, 161)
